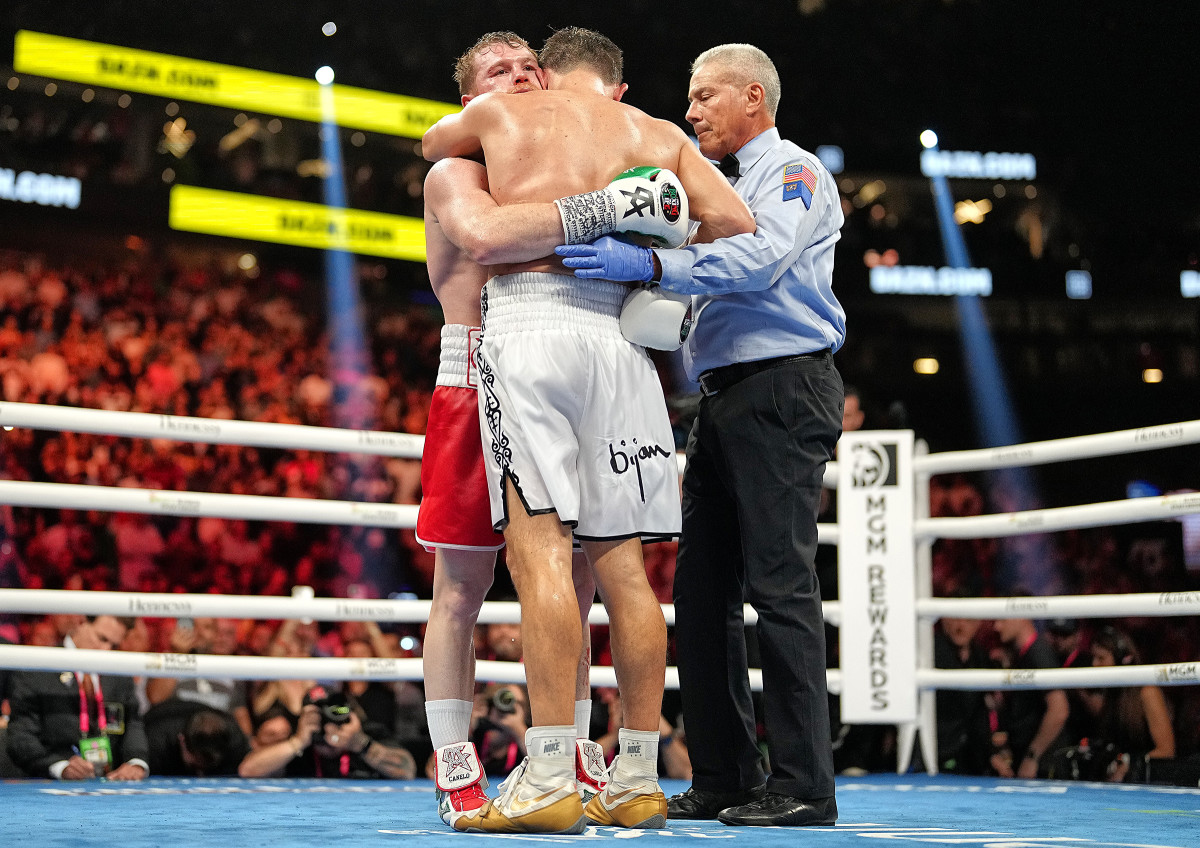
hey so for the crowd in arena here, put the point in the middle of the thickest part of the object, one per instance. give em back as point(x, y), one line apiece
point(196, 337)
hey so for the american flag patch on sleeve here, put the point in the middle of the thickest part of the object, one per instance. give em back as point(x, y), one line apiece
point(799, 181)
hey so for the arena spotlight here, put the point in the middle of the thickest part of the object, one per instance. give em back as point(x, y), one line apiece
point(995, 416)
point(324, 75)
point(350, 354)
point(329, 28)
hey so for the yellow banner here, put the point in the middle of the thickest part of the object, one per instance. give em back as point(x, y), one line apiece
point(222, 85)
point(227, 213)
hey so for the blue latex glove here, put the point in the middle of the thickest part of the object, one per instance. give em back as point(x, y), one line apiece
point(608, 258)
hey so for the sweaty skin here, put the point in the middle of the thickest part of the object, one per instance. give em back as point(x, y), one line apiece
point(545, 145)
point(465, 230)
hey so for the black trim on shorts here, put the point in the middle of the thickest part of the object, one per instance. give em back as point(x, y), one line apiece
point(505, 475)
point(647, 538)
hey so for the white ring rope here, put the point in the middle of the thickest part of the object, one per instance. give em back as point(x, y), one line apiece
point(250, 507)
point(213, 431)
point(1149, 604)
point(170, 502)
point(135, 664)
point(210, 431)
point(1169, 674)
point(1059, 518)
point(1058, 450)
point(172, 605)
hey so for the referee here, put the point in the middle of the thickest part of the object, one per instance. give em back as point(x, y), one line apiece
point(766, 326)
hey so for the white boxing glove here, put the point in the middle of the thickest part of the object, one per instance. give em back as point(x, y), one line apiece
point(646, 201)
point(654, 317)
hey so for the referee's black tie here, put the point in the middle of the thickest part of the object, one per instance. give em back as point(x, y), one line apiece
point(729, 166)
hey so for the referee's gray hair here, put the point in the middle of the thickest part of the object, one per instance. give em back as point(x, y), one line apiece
point(747, 64)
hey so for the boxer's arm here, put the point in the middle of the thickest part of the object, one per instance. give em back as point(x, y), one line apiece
point(458, 134)
point(456, 191)
point(714, 203)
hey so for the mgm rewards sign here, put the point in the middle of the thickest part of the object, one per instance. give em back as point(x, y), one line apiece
point(876, 583)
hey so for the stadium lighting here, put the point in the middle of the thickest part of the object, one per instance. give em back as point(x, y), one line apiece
point(929, 139)
point(324, 75)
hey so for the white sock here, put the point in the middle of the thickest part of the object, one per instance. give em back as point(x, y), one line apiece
point(638, 754)
point(449, 721)
point(583, 719)
point(551, 741)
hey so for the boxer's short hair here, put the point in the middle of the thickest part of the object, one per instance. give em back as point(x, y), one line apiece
point(464, 67)
point(570, 47)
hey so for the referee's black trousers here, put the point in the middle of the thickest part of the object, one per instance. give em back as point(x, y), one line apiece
point(755, 458)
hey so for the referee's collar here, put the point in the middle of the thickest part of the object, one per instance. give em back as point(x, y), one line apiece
point(756, 148)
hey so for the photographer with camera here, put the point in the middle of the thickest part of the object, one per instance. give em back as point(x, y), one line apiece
point(327, 741)
point(499, 732)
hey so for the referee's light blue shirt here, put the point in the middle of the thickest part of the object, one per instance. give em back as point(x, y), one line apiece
point(768, 293)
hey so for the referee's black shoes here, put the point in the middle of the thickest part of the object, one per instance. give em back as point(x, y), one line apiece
point(777, 810)
point(705, 804)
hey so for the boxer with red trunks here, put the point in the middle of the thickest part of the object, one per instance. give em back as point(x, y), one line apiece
point(466, 230)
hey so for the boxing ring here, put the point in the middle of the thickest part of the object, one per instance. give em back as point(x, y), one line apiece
point(924, 809)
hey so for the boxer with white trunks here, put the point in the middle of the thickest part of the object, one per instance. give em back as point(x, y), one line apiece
point(554, 367)
point(608, 470)
point(463, 228)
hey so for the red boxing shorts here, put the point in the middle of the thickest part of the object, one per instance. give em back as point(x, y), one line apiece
point(455, 510)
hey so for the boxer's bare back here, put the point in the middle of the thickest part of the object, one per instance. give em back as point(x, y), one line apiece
point(546, 145)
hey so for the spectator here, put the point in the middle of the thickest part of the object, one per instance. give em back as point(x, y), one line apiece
point(139, 545)
point(327, 741)
point(1135, 720)
point(498, 724)
point(206, 636)
point(1032, 721)
point(963, 717)
point(293, 639)
point(188, 739)
point(504, 642)
point(75, 725)
point(1066, 638)
point(673, 760)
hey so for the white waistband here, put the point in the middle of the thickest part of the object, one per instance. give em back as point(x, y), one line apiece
point(538, 300)
point(455, 365)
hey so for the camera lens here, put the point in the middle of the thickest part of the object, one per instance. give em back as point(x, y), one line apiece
point(504, 701)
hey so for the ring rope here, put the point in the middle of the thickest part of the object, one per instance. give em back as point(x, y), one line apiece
point(210, 431)
point(1106, 514)
point(1108, 677)
point(193, 504)
point(1059, 450)
point(172, 605)
point(1148, 604)
point(136, 664)
point(132, 663)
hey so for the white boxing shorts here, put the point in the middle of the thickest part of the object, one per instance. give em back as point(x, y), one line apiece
point(455, 509)
point(573, 413)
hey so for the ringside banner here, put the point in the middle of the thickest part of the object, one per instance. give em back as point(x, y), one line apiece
point(248, 216)
point(876, 582)
point(164, 75)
